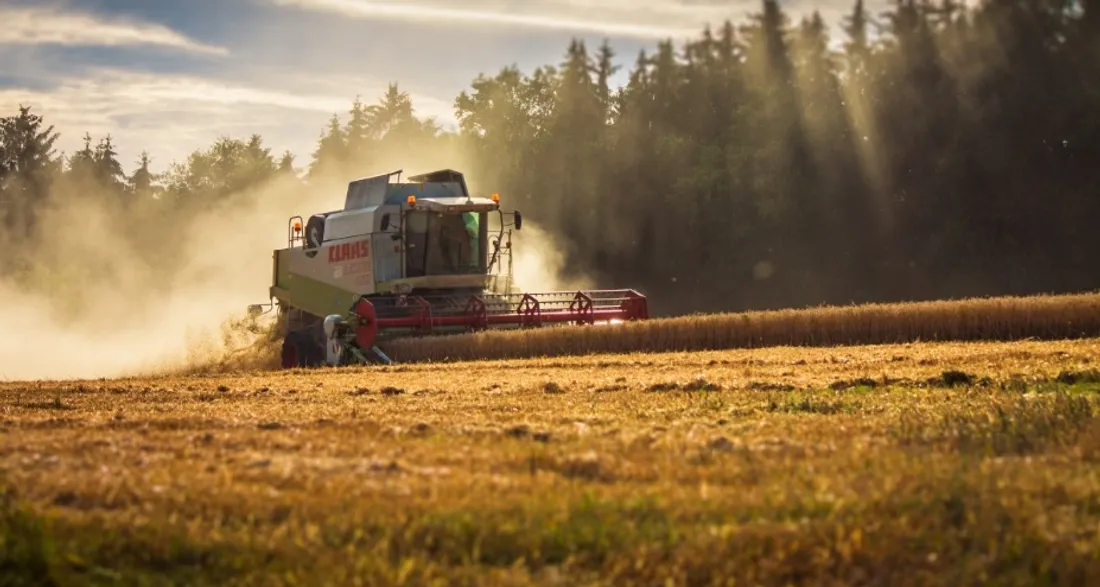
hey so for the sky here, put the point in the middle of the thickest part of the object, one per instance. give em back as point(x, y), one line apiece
point(169, 77)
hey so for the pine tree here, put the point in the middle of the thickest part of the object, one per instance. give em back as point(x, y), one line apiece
point(360, 132)
point(82, 164)
point(142, 183)
point(606, 68)
point(857, 46)
point(257, 162)
point(28, 166)
point(331, 153)
point(286, 164)
point(108, 170)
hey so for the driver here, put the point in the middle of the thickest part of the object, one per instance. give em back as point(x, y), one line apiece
point(454, 243)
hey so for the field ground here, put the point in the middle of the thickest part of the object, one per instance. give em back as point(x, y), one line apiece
point(945, 464)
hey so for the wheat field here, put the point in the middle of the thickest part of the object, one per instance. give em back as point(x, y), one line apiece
point(898, 464)
point(1049, 317)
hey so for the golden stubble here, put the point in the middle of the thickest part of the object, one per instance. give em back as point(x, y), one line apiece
point(687, 464)
point(382, 442)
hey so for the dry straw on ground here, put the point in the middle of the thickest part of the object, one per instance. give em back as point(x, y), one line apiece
point(1003, 318)
point(914, 464)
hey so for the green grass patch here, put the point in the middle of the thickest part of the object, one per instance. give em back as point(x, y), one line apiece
point(28, 555)
point(950, 524)
point(1002, 424)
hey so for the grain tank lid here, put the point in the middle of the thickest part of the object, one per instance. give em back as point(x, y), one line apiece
point(453, 204)
point(442, 176)
point(368, 191)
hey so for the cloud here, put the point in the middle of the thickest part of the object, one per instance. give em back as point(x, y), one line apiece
point(290, 70)
point(51, 26)
point(617, 18)
point(171, 115)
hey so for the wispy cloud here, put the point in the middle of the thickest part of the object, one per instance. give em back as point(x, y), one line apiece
point(53, 26)
point(641, 19)
point(172, 115)
point(287, 74)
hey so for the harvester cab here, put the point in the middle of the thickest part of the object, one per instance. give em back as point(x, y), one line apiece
point(412, 258)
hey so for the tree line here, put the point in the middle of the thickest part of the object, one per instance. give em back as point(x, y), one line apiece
point(934, 151)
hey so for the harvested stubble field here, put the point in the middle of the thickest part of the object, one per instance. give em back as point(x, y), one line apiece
point(1048, 317)
point(935, 464)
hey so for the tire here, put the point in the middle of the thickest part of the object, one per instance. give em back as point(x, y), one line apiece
point(291, 358)
point(301, 351)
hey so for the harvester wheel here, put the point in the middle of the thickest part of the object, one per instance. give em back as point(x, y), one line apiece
point(300, 350)
point(290, 354)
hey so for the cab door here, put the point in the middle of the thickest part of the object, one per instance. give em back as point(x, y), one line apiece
point(416, 238)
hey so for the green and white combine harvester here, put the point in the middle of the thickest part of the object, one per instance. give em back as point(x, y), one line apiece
point(411, 259)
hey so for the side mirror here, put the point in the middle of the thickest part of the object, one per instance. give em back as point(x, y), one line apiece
point(385, 222)
point(519, 220)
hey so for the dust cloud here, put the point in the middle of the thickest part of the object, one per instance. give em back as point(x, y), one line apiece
point(96, 303)
point(113, 291)
point(537, 263)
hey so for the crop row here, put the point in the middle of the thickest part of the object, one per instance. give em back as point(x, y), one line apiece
point(1048, 317)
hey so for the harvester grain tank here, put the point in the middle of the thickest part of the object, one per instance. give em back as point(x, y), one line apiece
point(412, 258)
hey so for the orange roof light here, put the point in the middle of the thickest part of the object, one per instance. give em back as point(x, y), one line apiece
point(297, 227)
point(411, 200)
point(496, 198)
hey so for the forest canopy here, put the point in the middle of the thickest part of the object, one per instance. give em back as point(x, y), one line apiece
point(934, 151)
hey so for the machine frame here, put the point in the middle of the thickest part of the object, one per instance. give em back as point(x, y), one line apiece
point(342, 284)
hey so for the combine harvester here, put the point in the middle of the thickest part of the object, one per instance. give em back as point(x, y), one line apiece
point(411, 259)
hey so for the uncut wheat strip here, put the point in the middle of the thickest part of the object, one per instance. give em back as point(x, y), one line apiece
point(1008, 318)
point(967, 320)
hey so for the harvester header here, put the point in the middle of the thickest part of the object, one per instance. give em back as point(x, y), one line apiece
point(412, 258)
